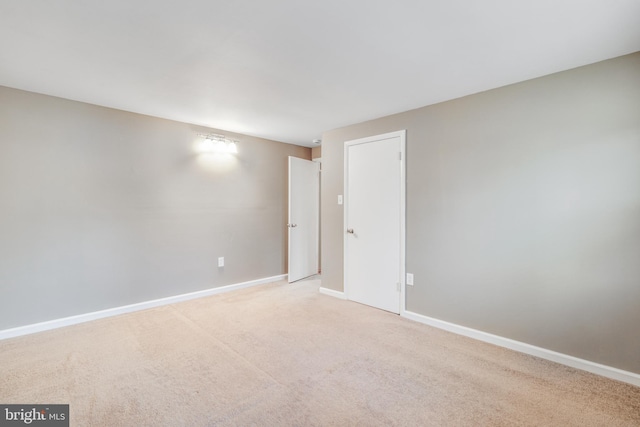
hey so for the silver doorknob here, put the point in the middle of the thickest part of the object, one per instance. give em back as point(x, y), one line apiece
point(350, 230)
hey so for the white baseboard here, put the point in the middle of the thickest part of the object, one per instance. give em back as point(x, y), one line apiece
point(81, 318)
point(564, 359)
point(332, 293)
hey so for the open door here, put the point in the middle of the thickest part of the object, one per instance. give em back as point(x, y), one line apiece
point(304, 207)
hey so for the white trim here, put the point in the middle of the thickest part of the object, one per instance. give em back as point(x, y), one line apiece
point(332, 293)
point(564, 359)
point(87, 317)
point(289, 176)
point(403, 220)
point(402, 134)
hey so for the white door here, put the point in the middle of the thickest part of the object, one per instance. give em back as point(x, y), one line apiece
point(304, 211)
point(374, 221)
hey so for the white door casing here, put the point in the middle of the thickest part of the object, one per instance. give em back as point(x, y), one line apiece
point(374, 226)
point(303, 225)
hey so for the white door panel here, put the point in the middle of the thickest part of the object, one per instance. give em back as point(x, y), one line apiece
point(304, 199)
point(374, 221)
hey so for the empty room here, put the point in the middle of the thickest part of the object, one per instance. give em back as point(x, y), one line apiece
point(281, 213)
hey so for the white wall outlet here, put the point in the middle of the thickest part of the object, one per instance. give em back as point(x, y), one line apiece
point(221, 261)
point(410, 279)
point(340, 199)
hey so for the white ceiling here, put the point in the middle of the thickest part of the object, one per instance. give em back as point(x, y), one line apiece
point(290, 69)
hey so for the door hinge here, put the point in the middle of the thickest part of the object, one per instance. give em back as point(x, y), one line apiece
point(400, 155)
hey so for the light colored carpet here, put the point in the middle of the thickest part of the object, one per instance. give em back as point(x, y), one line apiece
point(280, 355)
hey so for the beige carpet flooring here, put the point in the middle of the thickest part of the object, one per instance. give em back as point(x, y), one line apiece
point(285, 355)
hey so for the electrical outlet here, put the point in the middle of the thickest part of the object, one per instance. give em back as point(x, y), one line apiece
point(221, 261)
point(410, 279)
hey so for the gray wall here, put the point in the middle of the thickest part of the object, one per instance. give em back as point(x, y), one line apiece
point(523, 210)
point(100, 208)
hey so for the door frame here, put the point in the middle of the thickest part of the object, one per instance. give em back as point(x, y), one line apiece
point(403, 188)
point(318, 160)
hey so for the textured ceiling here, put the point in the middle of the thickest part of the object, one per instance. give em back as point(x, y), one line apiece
point(289, 69)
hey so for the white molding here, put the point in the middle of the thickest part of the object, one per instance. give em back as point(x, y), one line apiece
point(333, 293)
point(403, 220)
point(87, 317)
point(563, 359)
